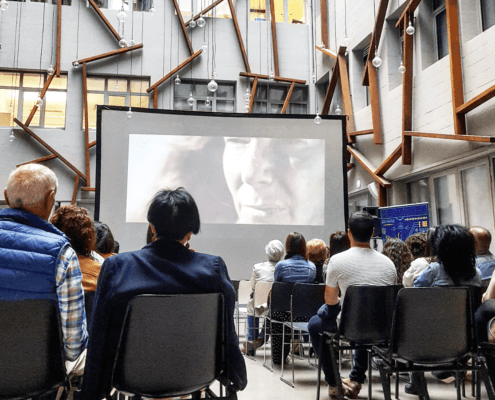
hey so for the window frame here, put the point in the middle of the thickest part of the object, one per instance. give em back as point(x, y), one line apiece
point(270, 102)
point(212, 96)
point(436, 12)
point(482, 16)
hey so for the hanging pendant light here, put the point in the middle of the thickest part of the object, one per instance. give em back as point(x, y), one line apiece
point(377, 61)
point(192, 24)
point(410, 29)
point(76, 64)
point(39, 101)
point(50, 70)
point(207, 102)
point(212, 85)
point(190, 100)
point(313, 78)
point(402, 69)
point(346, 41)
point(201, 21)
point(177, 80)
point(271, 76)
point(129, 113)
point(204, 48)
point(4, 5)
point(12, 136)
point(123, 43)
point(317, 119)
point(152, 8)
point(247, 95)
point(338, 111)
point(122, 16)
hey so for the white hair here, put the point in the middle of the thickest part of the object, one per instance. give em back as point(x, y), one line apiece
point(29, 185)
point(275, 250)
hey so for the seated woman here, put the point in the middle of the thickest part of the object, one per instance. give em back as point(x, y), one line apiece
point(317, 254)
point(422, 247)
point(164, 266)
point(398, 252)
point(294, 268)
point(338, 242)
point(262, 272)
point(105, 243)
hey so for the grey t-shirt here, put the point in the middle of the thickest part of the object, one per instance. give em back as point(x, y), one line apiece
point(360, 266)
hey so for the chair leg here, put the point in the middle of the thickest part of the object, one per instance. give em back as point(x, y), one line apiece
point(370, 374)
point(385, 379)
point(486, 378)
point(458, 385)
point(423, 389)
point(318, 382)
point(336, 371)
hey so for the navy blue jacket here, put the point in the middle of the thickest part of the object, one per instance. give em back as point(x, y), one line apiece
point(161, 267)
point(29, 250)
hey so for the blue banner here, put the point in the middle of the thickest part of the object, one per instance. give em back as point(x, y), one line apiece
point(404, 221)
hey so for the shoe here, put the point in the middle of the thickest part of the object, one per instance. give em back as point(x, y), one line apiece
point(252, 345)
point(351, 388)
point(411, 388)
point(296, 347)
point(444, 376)
point(491, 331)
point(333, 392)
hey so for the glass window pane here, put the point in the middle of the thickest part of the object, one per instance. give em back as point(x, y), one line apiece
point(298, 108)
point(139, 85)
point(93, 101)
point(225, 91)
point(418, 191)
point(438, 3)
point(202, 90)
point(446, 200)
point(478, 208)
point(201, 106)
point(222, 10)
point(55, 103)
point(59, 83)
point(299, 95)
point(117, 85)
point(259, 108)
point(488, 13)
point(181, 104)
point(96, 84)
point(258, 10)
point(9, 79)
point(29, 102)
point(139, 101)
point(442, 40)
point(278, 93)
point(225, 105)
point(8, 98)
point(276, 108)
point(116, 100)
point(261, 92)
point(182, 90)
point(296, 11)
point(32, 81)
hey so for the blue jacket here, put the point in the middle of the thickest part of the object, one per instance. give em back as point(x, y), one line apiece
point(29, 250)
point(161, 267)
point(295, 269)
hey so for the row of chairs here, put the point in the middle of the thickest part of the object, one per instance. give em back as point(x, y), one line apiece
point(410, 330)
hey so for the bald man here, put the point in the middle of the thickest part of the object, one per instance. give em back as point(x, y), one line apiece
point(36, 259)
point(485, 260)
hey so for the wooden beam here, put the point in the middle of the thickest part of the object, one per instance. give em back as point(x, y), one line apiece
point(239, 36)
point(49, 148)
point(346, 93)
point(382, 196)
point(375, 104)
point(324, 22)
point(276, 78)
point(253, 92)
point(350, 166)
point(476, 101)
point(86, 122)
point(155, 98)
point(455, 66)
point(74, 193)
point(92, 144)
point(287, 98)
point(408, 11)
point(183, 27)
point(375, 38)
point(88, 189)
point(330, 90)
point(326, 51)
point(407, 87)
point(42, 95)
point(59, 37)
point(368, 167)
point(175, 70)
point(38, 160)
point(361, 133)
point(204, 12)
point(467, 138)
point(391, 160)
point(274, 37)
point(109, 54)
point(105, 20)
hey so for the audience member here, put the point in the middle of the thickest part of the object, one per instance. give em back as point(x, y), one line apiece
point(150, 237)
point(416, 244)
point(294, 268)
point(105, 243)
point(262, 272)
point(36, 259)
point(485, 260)
point(165, 266)
point(360, 265)
point(76, 223)
point(317, 254)
point(398, 252)
point(116, 247)
point(421, 262)
point(338, 242)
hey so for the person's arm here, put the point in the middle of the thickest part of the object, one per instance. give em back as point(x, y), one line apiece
point(490, 291)
point(253, 279)
point(331, 295)
point(426, 279)
point(71, 303)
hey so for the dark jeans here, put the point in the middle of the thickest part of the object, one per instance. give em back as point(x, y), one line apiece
point(483, 315)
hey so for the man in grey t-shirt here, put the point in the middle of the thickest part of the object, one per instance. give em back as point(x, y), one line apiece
point(360, 265)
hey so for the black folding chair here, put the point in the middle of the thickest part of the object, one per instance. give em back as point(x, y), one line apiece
point(366, 320)
point(432, 331)
point(31, 343)
point(171, 345)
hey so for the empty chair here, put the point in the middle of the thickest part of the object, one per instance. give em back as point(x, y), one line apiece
point(243, 295)
point(171, 345)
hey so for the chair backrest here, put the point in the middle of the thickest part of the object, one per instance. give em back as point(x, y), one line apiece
point(306, 299)
point(170, 345)
point(236, 288)
point(88, 305)
point(484, 285)
point(261, 291)
point(31, 343)
point(244, 292)
point(367, 313)
point(432, 325)
point(280, 296)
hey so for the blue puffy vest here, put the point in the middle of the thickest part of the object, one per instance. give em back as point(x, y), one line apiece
point(29, 249)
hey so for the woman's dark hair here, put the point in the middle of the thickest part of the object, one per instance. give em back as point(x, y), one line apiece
point(455, 251)
point(431, 243)
point(399, 253)
point(149, 235)
point(105, 242)
point(77, 225)
point(174, 214)
point(295, 244)
point(417, 245)
point(339, 242)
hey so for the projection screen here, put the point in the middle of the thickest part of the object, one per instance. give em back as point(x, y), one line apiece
point(254, 177)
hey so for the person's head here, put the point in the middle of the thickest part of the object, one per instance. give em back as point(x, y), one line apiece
point(77, 225)
point(173, 214)
point(482, 239)
point(316, 250)
point(295, 244)
point(32, 187)
point(339, 242)
point(361, 225)
point(105, 242)
point(399, 253)
point(274, 250)
point(455, 251)
point(271, 180)
point(417, 245)
point(149, 235)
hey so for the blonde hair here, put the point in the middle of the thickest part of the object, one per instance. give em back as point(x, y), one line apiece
point(29, 185)
point(317, 250)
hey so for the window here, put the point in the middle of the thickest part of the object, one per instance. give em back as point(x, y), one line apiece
point(19, 91)
point(223, 100)
point(270, 98)
point(440, 15)
point(488, 13)
point(289, 11)
point(366, 51)
point(359, 200)
point(194, 7)
point(115, 91)
point(139, 5)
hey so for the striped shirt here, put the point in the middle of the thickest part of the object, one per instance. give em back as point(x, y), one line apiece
point(360, 266)
point(71, 303)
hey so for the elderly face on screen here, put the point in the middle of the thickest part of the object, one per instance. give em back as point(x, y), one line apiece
point(276, 180)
